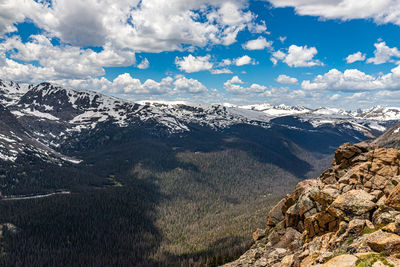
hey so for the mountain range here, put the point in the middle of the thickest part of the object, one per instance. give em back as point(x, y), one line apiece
point(49, 118)
point(172, 182)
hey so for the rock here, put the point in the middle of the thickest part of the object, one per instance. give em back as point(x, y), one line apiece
point(384, 215)
point(379, 264)
point(326, 196)
point(258, 234)
point(356, 226)
point(345, 260)
point(393, 200)
point(305, 204)
point(276, 215)
point(381, 241)
point(334, 212)
point(378, 181)
point(290, 240)
point(381, 201)
point(292, 216)
point(346, 151)
point(353, 202)
point(287, 261)
point(392, 228)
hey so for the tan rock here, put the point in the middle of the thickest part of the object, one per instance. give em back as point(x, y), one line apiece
point(345, 152)
point(326, 196)
point(292, 216)
point(379, 264)
point(287, 261)
point(381, 201)
point(307, 261)
point(290, 240)
point(276, 215)
point(384, 215)
point(345, 260)
point(379, 181)
point(384, 242)
point(258, 234)
point(354, 202)
point(393, 200)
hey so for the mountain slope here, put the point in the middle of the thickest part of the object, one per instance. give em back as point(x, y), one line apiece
point(136, 166)
point(390, 138)
point(348, 216)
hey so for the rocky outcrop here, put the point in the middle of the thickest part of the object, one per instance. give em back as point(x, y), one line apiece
point(349, 215)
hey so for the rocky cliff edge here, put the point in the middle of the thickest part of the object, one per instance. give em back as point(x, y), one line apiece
point(349, 216)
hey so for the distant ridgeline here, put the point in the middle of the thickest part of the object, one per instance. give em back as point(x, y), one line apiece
point(152, 183)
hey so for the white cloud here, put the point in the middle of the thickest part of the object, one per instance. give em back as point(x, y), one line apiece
point(387, 11)
point(183, 84)
point(148, 25)
point(56, 62)
point(282, 39)
point(297, 56)
point(234, 86)
point(284, 79)
point(221, 71)
point(383, 54)
point(354, 80)
point(144, 64)
point(334, 97)
point(258, 28)
point(355, 57)
point(244, 60)
point(258, 44)
point(126, 86)
point(191, 64)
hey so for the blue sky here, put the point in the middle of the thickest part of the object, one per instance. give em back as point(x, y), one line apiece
point(338, 53)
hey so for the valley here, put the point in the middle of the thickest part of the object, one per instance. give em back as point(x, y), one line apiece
point(161, 183)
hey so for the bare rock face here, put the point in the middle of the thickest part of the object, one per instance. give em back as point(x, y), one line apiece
point(346, 216)
point(393, 200)
point(342, 260)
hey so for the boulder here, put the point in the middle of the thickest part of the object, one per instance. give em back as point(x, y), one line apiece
point(384, 242)
point(353, 202)
point(276, 215)
point(258, 234)
point(393, 200)
point(345, 260)
point(290, 240)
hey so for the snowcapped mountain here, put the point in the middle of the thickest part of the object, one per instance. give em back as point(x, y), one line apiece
point(50, 117)
point(280, 110)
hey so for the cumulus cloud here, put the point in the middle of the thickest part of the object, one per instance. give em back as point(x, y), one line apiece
point(258, 44)
point(144, 64)
point(183, 84)
point(297, 56)
point(355, 57)
point(191, 63)
point(127, 86)
point(284, 79)
point(383, 54)
point(235, 86)
point(244, 60)
point(56, 62)
point(354, 80)
point(149, 25)
point(387, 11)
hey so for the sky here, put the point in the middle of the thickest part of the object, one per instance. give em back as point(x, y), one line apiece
point(335, 53)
